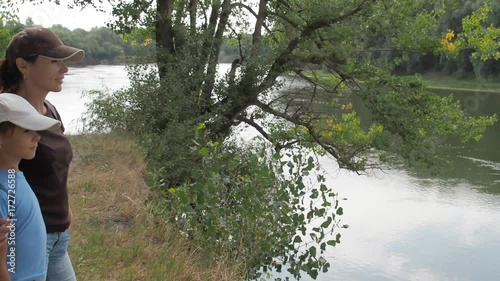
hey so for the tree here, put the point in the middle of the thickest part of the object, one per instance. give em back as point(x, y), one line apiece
point(297, 35)
point(29, 22)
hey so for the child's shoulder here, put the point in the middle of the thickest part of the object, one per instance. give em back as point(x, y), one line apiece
point(10, 173)
point(10, 177)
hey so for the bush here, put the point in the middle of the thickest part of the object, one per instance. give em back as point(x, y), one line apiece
point(256, 207)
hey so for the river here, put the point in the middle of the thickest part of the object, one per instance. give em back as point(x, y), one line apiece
point(403, 224)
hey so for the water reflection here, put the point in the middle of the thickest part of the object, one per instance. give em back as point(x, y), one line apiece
point(478, 163)
point(406, 228)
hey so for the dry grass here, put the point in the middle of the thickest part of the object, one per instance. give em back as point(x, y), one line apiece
point(117, 235)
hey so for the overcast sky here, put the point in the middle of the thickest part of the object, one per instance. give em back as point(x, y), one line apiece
point(49, 14)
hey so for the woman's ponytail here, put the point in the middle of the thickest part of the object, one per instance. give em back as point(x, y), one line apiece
point(10, 77)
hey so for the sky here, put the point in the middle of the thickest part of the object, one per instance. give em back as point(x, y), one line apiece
point(48, 14)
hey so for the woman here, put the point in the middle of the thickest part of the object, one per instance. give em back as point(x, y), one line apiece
point(34, 65)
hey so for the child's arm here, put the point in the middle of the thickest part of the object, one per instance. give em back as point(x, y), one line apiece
point(4, 274)
point(4, 231)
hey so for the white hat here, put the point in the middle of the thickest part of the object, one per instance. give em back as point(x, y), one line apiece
point(20, 112)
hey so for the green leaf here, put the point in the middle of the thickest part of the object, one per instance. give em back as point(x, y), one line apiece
point(337, 238)
point(326, 266)
point(297, 239)
point(326, 223)
point(312, 251)
point(313, 273)
point(310, 214)
point(204, 151)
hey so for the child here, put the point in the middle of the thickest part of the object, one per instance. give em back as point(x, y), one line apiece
point(23, 254)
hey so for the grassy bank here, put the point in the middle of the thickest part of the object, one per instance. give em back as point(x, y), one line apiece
point(439, 81)
point(117, 235)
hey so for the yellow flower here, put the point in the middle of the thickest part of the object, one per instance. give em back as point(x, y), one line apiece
point(450, 35)
point(146, 42)
point(446, 42)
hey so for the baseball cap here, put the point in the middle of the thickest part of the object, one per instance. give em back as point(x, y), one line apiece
point(43, 42)
point(20, 112)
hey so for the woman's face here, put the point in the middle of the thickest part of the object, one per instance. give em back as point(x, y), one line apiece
point(46, 74)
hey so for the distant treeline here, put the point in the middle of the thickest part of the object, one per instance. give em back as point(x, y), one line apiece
point(463, 66)
point(101, 45)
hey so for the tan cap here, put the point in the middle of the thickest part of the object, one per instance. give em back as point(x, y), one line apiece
point(20, 112)
point(43, 42)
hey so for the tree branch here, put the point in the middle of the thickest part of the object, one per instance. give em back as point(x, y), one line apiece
point(261, 130)
point(285, 56)
point(330, 148)
point(252, 123)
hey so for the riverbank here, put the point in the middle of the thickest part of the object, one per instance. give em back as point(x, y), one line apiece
point(437, 81)
point(118, 233)
point(440, 82)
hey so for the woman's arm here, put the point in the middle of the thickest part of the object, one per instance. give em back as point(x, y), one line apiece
point(71, 219)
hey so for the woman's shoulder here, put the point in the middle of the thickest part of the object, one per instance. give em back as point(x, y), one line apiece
point(53, 113)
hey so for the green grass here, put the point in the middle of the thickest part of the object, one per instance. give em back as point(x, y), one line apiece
point(471, 83)
point(434, 81)
point(117, 235)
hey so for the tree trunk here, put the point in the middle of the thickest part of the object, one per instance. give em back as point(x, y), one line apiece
point(164, 35)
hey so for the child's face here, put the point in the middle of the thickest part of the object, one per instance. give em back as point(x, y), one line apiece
point(46, 74)
point(20, 144)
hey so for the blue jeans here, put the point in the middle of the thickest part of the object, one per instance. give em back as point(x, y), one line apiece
point(58, 265)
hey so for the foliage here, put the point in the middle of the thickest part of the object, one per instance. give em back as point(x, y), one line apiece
point(240, 204)
point(485, 40)
point(8, 27)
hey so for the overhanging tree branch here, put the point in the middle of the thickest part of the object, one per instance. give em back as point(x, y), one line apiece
point(286, 55)
point(278, 146)
point(251, 11)
point(328, 147)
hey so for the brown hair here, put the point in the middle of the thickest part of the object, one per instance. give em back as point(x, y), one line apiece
point(10, 76)
point(7, 127)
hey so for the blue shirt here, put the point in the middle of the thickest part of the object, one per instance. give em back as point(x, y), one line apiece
point(26, 245)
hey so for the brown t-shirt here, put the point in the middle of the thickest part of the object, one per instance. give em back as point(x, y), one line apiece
point(47, 174)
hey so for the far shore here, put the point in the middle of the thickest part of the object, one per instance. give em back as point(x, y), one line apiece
point(466, 85)
point(451, 89)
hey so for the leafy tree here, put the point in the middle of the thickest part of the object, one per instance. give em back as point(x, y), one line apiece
point(296, 35)
point(29, 22)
